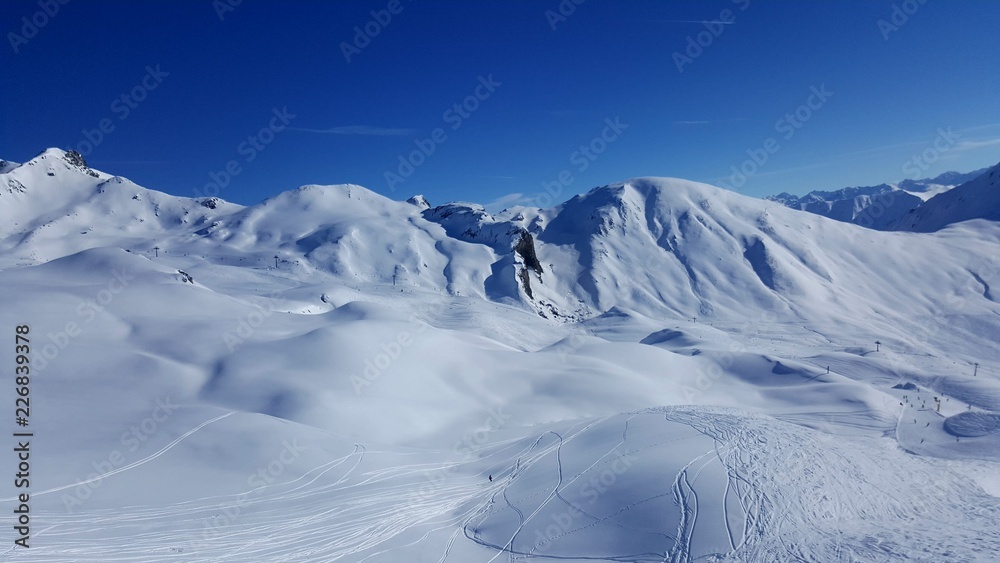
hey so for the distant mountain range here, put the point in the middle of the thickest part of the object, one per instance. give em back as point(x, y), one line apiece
point(878, 207)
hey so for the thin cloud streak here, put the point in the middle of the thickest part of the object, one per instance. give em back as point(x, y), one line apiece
point(509, 200)
point(962, 145)
point(706, 121)
point(979, 144)
point(362, 130)
point(713, 22)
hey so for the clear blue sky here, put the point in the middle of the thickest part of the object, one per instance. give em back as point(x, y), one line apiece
point(889, 92)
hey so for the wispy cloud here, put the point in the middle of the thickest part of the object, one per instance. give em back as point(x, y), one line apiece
point(117, 162)
point(713, 22)
point(951, 153)
point(977, 144)
point(509, 200)
point(962, 145)
point(876, 150)
point(706, 121)
point(813, 166)
point(981, 127)
point(364, 130)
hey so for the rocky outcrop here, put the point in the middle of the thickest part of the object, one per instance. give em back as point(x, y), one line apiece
point(76, 159)
point(525, 248)
point(211, 202)
point(508, 238)
point(525, 278)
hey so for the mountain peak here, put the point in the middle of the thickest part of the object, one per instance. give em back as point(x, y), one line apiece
point(419, 200)
point(72, 160)
point(51, 152)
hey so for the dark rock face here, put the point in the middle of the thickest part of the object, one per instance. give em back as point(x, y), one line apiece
point(525, 278)
point(76, 159)
point(471, 223)
point(525, 248)
point(15, 186)
point(760, 259)
point(211, 202)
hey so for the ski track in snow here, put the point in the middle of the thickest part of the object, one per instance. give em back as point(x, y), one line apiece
point(299, 520)
point(130, 466)
point(794, 507)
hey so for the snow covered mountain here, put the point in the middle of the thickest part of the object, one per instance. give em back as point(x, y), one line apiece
point(54, 205)
point(978, 198)
point(654, 370)
point(875, 206)
point(658, 246)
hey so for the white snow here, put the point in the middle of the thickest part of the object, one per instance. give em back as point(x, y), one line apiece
point(876, 207)
point(695, 378)
point(976, 199)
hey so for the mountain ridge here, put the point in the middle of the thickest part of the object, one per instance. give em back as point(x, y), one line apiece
point(657, 245)
point(875, 206)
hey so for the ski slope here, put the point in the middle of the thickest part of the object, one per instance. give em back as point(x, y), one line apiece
point(695, 377)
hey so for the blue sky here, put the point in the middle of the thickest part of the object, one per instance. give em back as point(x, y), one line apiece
point(554, 98)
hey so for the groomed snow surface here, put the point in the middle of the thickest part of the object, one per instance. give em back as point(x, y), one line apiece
point(694, 379)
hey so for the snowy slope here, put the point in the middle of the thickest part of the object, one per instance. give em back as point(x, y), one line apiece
point(54, 204)
point(682, 249)
point(693, 376)
point(976, 199)
point(874, 207)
